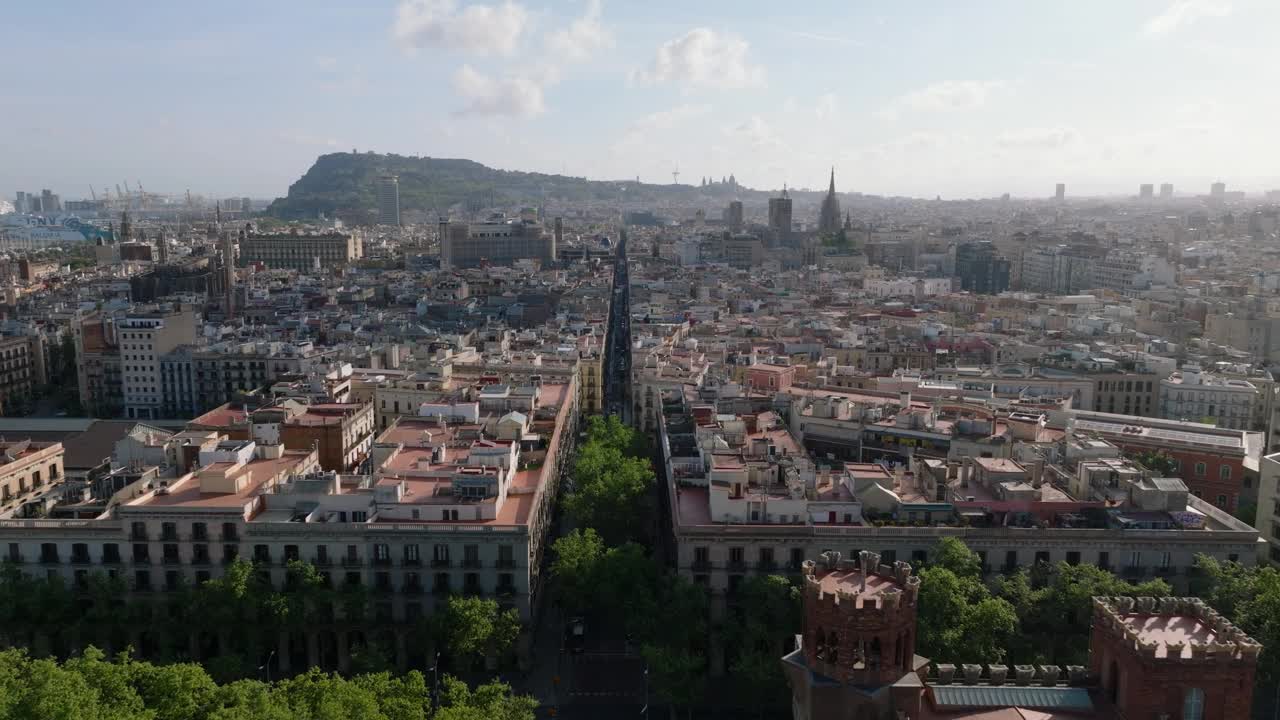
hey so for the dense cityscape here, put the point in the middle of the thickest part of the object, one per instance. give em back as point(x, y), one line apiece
point(423, 439)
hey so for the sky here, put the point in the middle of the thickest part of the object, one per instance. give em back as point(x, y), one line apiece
point(969, 99)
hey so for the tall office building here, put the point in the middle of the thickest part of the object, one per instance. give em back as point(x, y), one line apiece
point(780, 218)
point(1166, 191)
point(1060, 192)
point(733, 216)
point(1218, 190)
point(1146, 191)
point(20, 203)
point(50, 203)
point(981, 269)
point(389, 200)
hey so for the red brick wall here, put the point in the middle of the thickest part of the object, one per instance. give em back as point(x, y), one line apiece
point(1148, 687)
point(1211, 485)
point(895, 629)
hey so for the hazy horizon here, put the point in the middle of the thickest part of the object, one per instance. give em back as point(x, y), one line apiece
point(962, 102)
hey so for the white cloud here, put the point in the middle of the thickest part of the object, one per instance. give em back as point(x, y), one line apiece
point(1185, 12)
point(476, 28)
point(949, 95)
point(826, 106)
point(702, 58)
point(756, 133)
point(583, 38)
point(1050, 138)
point(508, 95)
point(640, 134)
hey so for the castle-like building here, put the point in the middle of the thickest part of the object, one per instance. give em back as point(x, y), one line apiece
point(1149, 658)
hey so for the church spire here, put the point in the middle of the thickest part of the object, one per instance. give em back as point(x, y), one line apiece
point(829, 214)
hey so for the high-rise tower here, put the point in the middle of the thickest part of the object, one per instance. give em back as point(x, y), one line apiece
point(389, 200)
point(780, 218)
point(829, 216)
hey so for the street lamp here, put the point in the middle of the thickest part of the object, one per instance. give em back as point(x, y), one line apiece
point(435, 682)
point(645, 710)
point(267, 666)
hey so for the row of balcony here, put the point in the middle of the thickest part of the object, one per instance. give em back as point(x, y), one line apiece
point(227, 559)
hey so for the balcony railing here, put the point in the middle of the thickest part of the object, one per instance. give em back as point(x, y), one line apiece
point(766, 566)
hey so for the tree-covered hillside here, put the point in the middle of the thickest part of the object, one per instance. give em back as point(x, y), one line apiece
point(345, 185)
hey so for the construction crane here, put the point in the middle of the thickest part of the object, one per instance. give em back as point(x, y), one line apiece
point(94, 194)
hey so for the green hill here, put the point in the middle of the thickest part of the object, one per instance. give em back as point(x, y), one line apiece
point(345, 185)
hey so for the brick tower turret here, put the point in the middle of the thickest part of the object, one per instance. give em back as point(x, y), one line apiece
point(859, 636)
point(1171, 657)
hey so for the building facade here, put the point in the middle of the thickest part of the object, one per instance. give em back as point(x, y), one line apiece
point(301, 251)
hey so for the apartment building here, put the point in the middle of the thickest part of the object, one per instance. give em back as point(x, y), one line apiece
point(500, 242)
point(450, 507)
point(26, 469)
point(749, 496)
point(301, 251)
point(22, 369)
point(1192, 394)
point(342, 433)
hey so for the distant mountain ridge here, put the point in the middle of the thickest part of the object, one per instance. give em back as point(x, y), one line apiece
point(344, 185)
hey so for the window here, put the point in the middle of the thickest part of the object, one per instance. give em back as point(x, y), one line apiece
point(702, 555)
point(1165, 559)
point(168, 531)
point(411, 555)
point(797, 558)
point(230, 553)
point(199, 554)
point(1135, 559)
point(170, 553)
point(440, 555)
point(142, 580)
point(471, 556)
point(229, 531)
point(471, 584)
point(48, 552)
point(199, 532)
point(506, 556)
point(766, 557)
point(261, 554)
point(141, 553)
point(110, 553)
point(138, 531)
point(1201, 469)
point(1193, 704)
point(353, 554)
point(1222, 501)
point(382, 554)
point(1073, 557)
point(1104, 560)
point(1224, 472)
point(735, 556)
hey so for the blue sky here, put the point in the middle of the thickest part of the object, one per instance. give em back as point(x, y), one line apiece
point(958, 99)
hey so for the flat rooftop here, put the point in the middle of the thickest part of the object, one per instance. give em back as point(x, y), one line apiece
point(850, 581)
point(1165, 629)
